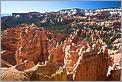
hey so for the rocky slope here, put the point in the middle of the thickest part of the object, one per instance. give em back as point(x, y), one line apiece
point(32, 53)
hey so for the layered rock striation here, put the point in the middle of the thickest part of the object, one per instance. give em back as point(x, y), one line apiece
point(34, 54)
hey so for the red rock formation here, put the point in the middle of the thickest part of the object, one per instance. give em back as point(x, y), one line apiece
point(10, 39)
point(16, 73)
point(71, 57)
point(9, 43)
point(27, 43)
point(92, 67)
point(58, 55)
point(29, 47)
point(47, 72)
point(115, 75)
point(78, 59)
point(117, 58)
point(5, 64)
point(117, 24)
point(84, 63)
point(8, 56)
